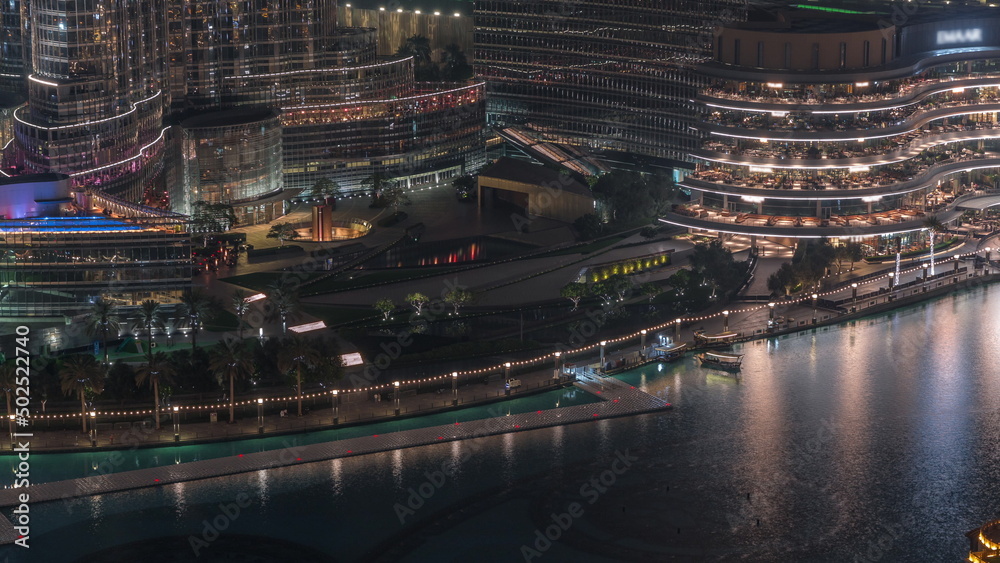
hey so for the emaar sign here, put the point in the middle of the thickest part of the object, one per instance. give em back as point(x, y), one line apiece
point(973, 35)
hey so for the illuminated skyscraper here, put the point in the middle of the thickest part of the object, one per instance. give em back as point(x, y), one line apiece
point(96, 94)
point(608, 74)
point(105, 75)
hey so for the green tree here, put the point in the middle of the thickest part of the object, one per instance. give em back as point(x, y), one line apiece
point(325, 187)
point(588, 226)
point(102, 320)
point(81, 375)
point(417, 46)
point(393, 196)
point(650, 290)
point(282, 232)
point(283, 302)
point(575, 292)
point(630, 196)
point(8, 381)
point(208, 218)
point(465, 186)
point(230, 360)
point(840, 255)
point(418, 301)
point(811, 261)
point(458, 298)
point(120, 383)
point(385, 306)
point(715, 262)
point(934, 226)
point(375, 185)
point(455, 65)
point(298, 354)
point(855, 252)
point(157, 369)
point(151, 317)
point(613, 289)
point(197, 308)
point(782, 280)
point(240, 306)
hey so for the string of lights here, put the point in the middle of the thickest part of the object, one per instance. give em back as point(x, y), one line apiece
point(492, 369)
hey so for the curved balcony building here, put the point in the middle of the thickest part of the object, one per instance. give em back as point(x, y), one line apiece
point(843, 128)
point(95, 94)
point(233, 157)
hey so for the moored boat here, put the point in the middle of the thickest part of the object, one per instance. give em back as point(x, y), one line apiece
point(669, 353)
point(719, 360)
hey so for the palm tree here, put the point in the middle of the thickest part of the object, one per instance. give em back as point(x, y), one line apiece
point(80, 375)
point(933, 226)
point(418, 46)
point(240, 306)
point(151, 317)
point(102, 320)
point(284, 304)
point(8, 381)
point(298, 353)
point(158, 368)
point(197, 307)
point(229, 359)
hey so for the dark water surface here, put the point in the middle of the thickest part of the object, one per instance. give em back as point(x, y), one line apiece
point(873, 441)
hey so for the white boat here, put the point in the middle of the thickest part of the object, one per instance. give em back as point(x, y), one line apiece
point(719, 360)
point(669, 353)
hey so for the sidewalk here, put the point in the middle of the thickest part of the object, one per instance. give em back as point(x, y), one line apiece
point(356, 407)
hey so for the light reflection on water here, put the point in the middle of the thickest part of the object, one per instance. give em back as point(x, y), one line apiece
point(882, 437)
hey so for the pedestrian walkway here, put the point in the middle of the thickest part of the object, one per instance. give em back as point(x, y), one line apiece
point(8, 534)
point(608, 388)
point(356, 407)
point(621, 400)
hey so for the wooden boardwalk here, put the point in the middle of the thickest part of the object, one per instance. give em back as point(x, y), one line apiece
point(618, 399)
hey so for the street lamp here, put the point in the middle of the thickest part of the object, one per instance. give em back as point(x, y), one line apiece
point(11, 432)
point(642, 342)
point(260, 416)
point(604, 344)
point(177, 424)
point(395, 389)
point(93, 429)
point(725, 321)
point(854, 297)
point(336, 405)
point(677, 330)
point(925, 266)
point(454, 388)
point(892, 285)
point(987, 249)
point(815, 299)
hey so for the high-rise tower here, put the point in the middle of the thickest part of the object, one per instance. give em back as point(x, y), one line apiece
point(95, 93)
point(605, 74)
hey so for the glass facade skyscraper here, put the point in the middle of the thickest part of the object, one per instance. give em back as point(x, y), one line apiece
point(608, 74)
point(109, 80)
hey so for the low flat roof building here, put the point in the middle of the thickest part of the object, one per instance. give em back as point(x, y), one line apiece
point(538, 190)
